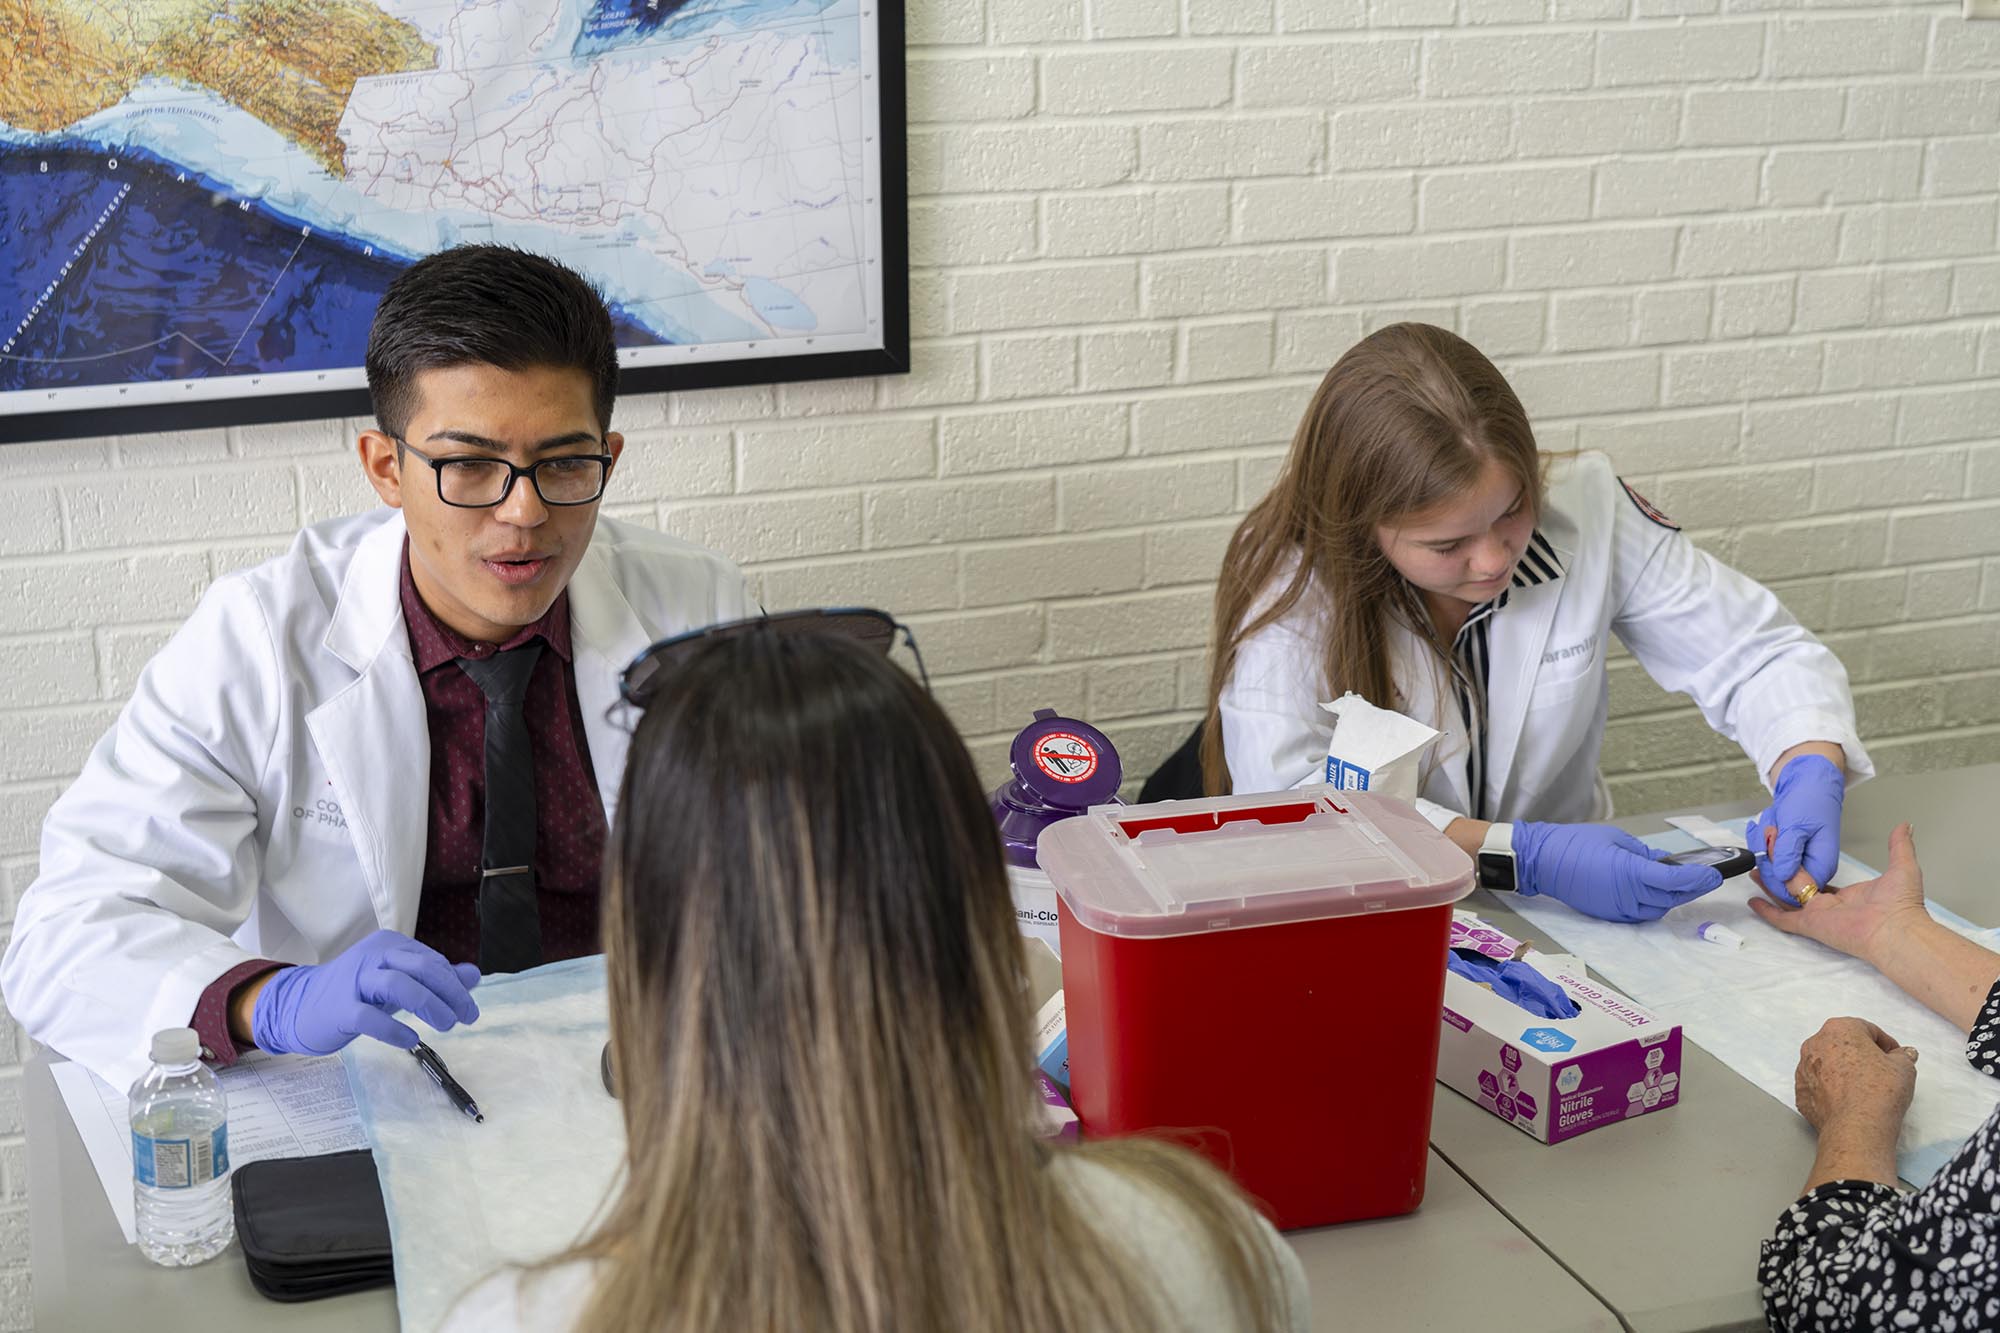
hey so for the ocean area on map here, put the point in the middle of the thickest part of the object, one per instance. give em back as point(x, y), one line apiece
point(613, 23)
point(84, 244)
point(87, 243)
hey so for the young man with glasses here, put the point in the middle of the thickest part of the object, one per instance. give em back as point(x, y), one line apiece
point(382, 763)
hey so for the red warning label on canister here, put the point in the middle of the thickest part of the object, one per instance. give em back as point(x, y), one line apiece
point(1065, 756)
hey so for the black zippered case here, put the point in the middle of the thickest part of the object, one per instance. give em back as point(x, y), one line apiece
point(312, 1227)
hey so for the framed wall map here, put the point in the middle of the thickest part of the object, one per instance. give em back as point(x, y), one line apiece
point(201, 201)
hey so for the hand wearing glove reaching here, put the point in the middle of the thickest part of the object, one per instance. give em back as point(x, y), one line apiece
point(318, 1008)
point(1604, 872)
point(1800, 830)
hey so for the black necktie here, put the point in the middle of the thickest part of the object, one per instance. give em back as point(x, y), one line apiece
point(510, 927)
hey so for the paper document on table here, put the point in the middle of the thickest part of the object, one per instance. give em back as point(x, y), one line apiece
point(465, 1199)
point(1752, 1007)
point(279, 1106)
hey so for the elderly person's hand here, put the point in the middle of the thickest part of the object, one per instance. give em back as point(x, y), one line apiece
point(1852, 1072)
point(1883, 922)
point(1863, 919)
point(1853, 1085)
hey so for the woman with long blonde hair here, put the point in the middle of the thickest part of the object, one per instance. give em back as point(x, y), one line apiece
point(820, 1029)
point(1419, 551)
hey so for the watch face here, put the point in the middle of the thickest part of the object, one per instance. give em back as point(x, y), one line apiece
point(1496, 870)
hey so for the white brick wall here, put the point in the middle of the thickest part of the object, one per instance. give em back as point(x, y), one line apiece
point(1747, 246)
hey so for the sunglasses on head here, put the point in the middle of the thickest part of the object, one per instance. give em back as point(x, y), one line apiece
point(641, 681)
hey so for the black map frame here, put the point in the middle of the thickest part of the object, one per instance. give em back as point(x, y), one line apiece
point(253, 406)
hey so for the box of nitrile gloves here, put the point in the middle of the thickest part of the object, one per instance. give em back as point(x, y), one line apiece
point(1553, 1078)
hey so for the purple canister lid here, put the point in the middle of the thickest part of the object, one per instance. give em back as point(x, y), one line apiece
point(1062, 767)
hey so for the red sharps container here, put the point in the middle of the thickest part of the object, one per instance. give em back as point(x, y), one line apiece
point(1261, 977)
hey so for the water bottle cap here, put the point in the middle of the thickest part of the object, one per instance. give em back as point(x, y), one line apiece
point(176, 1046)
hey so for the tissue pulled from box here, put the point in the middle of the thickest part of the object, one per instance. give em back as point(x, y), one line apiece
point(1375, 749)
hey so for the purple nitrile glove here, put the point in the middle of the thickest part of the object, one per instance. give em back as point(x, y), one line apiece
point(1513, 980)
point(318, 1008)
point(1604, 872)
point(1805, 814)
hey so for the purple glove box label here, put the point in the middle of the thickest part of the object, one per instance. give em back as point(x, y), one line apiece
point(1616, 1084)
point(1483, 939)
point(1058, 1121)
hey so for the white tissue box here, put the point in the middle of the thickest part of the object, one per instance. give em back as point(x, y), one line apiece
point(1554, 1079)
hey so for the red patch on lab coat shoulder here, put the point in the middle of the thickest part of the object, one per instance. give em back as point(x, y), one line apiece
point(1646, 508)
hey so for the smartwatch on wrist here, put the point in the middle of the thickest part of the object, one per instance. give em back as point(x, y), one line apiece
point(1495, 861)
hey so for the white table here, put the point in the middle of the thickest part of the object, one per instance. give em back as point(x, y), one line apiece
point(1651, 1224)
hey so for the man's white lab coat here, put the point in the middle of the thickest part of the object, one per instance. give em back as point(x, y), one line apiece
point(265, 793)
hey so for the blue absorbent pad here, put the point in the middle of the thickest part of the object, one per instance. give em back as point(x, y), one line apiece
point(466, 1199)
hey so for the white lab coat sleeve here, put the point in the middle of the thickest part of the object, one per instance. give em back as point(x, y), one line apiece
point(151, 859)
point(1700, 628)
point(733, 600)
point(1274, 732)
point(1441, 816)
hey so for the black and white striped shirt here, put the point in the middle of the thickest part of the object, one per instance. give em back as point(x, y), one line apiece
point(1538, 564)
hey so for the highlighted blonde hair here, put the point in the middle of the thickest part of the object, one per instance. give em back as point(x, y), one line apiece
point(820, 1027)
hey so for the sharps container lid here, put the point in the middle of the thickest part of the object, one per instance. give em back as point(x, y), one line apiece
point(1187, 867)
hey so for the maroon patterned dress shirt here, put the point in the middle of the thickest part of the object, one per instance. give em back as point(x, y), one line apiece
point(569, 817)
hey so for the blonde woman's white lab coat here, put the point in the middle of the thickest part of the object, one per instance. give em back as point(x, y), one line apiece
point(1697, 626)
point(265, 793)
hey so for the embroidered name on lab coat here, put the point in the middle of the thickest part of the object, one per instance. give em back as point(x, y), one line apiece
point(1573, 650)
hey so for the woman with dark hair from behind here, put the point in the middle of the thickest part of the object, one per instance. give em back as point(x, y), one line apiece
point(820, 1026)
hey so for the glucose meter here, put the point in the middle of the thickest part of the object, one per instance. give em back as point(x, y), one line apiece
point(1731, 861)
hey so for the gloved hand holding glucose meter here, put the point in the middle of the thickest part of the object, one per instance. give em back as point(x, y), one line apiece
point(1599, 870)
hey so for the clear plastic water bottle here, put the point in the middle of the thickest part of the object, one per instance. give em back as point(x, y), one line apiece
point(180, 1155)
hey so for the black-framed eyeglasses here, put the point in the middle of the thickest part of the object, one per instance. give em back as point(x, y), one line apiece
point(641, 680)
point(481, 483)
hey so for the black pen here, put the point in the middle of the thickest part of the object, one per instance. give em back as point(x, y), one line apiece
point(441, 1076)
